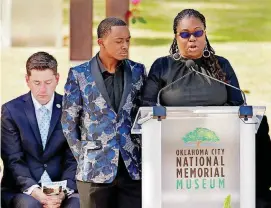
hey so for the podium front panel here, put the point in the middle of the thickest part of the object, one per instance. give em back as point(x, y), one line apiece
point(198, 157)
point(200, 162)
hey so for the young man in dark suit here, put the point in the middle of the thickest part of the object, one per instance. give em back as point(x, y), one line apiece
point(33, 147)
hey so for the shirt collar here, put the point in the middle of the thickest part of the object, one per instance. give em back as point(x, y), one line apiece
point(101, 66)
point(49, 105)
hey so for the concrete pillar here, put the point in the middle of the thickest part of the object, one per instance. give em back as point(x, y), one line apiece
point(5, 23)
point(81, 17)
point(117, 8)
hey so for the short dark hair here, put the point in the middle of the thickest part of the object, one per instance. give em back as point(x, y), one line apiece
point(105, 25)
point(41, 61)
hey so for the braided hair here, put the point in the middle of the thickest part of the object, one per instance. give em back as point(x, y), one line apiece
point(210, 63)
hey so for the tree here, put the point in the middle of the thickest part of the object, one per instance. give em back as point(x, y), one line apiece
point(200, 135)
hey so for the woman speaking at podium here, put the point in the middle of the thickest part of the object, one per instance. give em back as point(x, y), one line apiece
point(172, 82)
point(207, 80)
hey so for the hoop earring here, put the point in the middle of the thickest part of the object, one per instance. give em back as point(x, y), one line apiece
point(206, 52)
point(176, 56)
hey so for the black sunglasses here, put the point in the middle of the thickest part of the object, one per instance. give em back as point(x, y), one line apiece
point(187, 35)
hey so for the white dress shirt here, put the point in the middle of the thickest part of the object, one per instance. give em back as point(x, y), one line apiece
point(49, 107)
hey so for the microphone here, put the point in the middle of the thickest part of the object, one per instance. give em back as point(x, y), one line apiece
point(167, 86)
point(192, 65)
point(159, 111)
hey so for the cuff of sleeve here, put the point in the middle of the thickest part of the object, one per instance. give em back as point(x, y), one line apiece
point(69, 191)
point(30, 189)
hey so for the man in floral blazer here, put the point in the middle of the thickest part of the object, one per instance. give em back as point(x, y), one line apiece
point(101, 100)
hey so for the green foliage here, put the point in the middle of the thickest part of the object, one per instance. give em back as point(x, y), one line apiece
point(227, 202)
point(190, 137)
point(142, 20)
point(133, 20)
point(200, 135)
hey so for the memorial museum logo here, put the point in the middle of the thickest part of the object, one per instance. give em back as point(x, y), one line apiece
point(200, 135)
point(200, 165)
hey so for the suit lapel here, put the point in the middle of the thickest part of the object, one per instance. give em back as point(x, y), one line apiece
point(55, 115)
point(127, 84)
point(99, 82)
point(31, 116)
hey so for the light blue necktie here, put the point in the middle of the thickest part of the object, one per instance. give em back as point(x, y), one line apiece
point(44, 124)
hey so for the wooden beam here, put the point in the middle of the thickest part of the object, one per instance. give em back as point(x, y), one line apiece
point(117, 8)
point(81, 17)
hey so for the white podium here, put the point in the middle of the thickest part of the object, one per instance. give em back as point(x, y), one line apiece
point(198, 157)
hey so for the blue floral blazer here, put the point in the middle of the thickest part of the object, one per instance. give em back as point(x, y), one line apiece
point(95, 133)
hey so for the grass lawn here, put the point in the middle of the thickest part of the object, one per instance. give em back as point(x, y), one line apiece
point(227, 20)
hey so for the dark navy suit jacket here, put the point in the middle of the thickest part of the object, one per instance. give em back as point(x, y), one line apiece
point(22, 151)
